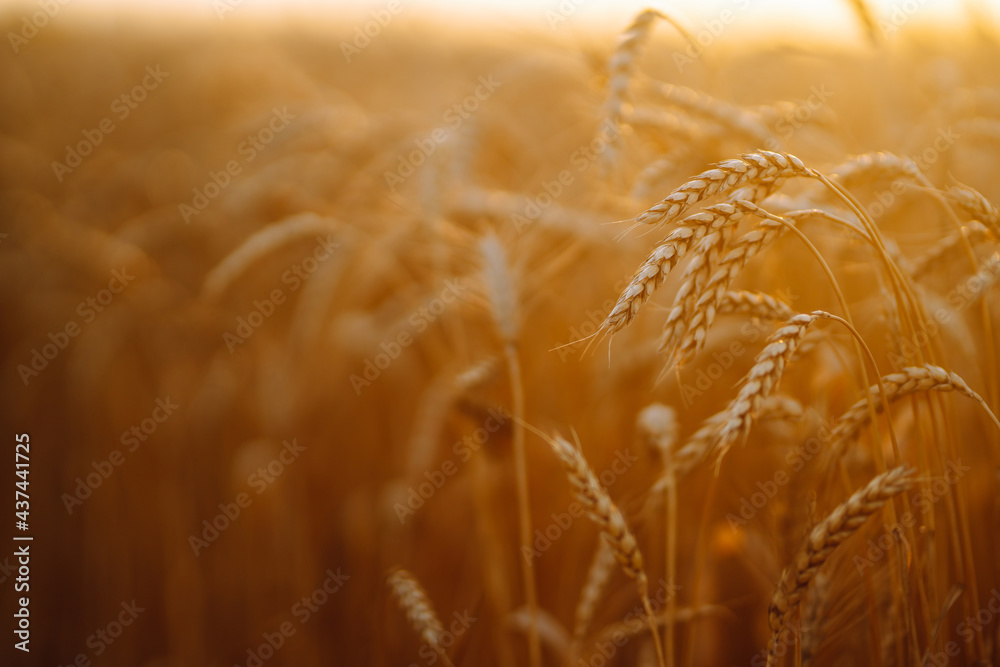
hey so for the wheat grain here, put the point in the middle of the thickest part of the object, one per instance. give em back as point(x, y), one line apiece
point(824, 538)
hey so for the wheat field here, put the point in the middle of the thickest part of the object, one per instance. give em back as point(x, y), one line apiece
point(441, 345)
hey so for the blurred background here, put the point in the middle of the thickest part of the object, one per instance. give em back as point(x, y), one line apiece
point(244, 320)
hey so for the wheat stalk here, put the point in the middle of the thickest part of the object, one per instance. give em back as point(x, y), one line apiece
point(413, 600)
point(506, 313)
point(824, 539)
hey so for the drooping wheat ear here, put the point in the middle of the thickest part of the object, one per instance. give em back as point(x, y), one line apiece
point(868, 166)
point(261, 244)
point(700, 315)
point(974, 231)
point(722, 178)
point(603, 511)
point(908, 381)
point(764, 378)
point(413, 600)
point(754, 304)
point(690, 231)
point(699, 445)
point(597, 578)
point(824, 539)
point(728, 115)
point(977, 206)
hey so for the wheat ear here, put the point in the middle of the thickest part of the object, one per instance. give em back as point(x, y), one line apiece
point(603, 511)
point(722, 178)
point(725, 114)
point(977, 206)
point(597, 578)
point(689, 232)
point(413, 600)
point(764, 378)
point(823, 540)
point(908, 381)
point(699, 444)
point(690, 331)
point(974, 231)
point(869, 166)
point(757, 305)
